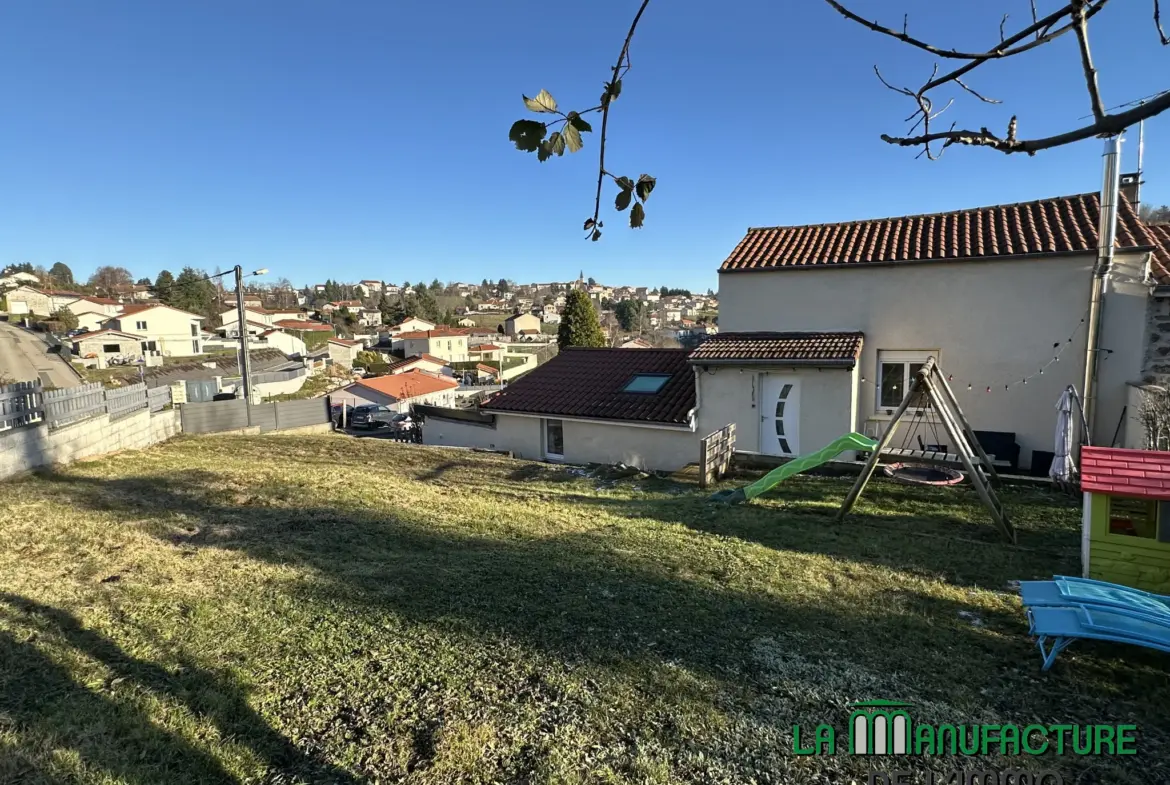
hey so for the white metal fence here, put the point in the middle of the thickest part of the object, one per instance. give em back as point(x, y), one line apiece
point(28, 403)
point(20, 404)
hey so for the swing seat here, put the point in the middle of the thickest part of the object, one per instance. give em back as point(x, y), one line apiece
point(923, 474)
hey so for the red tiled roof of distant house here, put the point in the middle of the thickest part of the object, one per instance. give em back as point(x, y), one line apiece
point(409, 385)
point(1121, 472)
point(107, 331)
point(589, 384)
point(438, 332)
point(101, 301)
point(487, 369)
point(1061, 225)
point(791, 348)
point(301, 324)
point(344, 342)
point(483, 347)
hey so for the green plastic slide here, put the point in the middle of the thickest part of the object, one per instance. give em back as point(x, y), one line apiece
point(850, 441)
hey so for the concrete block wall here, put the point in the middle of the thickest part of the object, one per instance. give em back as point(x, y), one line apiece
point(23, 449)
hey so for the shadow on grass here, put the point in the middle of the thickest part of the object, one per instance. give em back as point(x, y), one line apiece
point(627, 601)
point(101, 726)
point(579, 594)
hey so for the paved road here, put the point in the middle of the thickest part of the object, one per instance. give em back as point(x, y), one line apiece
point(24, 357)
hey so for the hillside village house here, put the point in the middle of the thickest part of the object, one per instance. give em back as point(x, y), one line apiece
point(586, 406)
point(353, 306)
point(160, 328)
point(516, 323)
point(400, 391)
point(287, 342)
point(485, 352)
point(410, 324)
point(466, 322)
point(42, 302)
point(343, 352)
point(92, 311)
point(97, 348)
point(446, 343)
point(254, 313)
point(424, 363)
point(993, 293)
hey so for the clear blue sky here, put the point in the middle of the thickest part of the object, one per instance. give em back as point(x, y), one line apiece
point(368, 139)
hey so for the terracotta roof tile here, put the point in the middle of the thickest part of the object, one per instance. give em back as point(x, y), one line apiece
point(438, 332)
point(411, 384)
point(1141, 473)
point(301, 324)
point(1059, 225)
point(588, 383)
point(344, 342)
point(790, 348)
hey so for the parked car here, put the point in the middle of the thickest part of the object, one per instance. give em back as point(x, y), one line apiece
point(370, 416)
point(335, 412)
point(401, 423)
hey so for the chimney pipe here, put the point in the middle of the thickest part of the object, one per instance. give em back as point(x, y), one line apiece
point(1106, 239)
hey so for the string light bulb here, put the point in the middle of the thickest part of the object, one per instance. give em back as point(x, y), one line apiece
point(968, 386)
point(989, 389)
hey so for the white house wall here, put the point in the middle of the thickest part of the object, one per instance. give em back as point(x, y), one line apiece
point(652, 449)
point(731, 395)
point(992, 323)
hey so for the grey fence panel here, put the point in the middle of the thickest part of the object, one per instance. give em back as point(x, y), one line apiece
point(264, 416)
point(63, 407)
point(297, 414)
point(214, 416)
point(267, 377)
point(159, 397)
point(126, 400)
point(21, 403)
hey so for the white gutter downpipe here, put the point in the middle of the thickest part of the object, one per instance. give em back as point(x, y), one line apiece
point(1106, 239)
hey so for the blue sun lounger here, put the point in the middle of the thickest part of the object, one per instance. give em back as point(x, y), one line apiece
point(1065, 591)
point(1058, 627)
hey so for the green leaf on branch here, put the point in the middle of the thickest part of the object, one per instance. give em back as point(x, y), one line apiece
point(572, 137)
point(623, 200)
point(589, 224)
point(637, 216)
point(544, 152)
point(625, 183)
point(596, 235)
point(557, 143)
point(645, 185)
point(527, 135)
point(543, 102)
point(579, 123)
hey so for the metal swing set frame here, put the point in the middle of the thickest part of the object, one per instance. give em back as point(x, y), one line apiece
point(931, 384)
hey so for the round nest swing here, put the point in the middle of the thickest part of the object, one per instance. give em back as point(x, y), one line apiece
point(923, 474)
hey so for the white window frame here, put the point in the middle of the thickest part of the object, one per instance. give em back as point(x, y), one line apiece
point(140, 325)
point(544, 424)
point(905, 357)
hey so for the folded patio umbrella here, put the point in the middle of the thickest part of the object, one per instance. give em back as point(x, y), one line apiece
point(1062, 465)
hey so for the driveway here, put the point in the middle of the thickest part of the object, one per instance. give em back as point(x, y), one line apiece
point(24, 357)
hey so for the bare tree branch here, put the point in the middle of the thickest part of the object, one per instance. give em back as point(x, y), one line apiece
point(1158, 23)
point(1082, 29)
point(1003, 50)
point(1110, 124)
point(983, 98)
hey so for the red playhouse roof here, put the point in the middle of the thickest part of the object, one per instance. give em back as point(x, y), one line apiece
point(1141, 473)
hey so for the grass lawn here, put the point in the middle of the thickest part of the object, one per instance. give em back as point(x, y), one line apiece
point(324, 609)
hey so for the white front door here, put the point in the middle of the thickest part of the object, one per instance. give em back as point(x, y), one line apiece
point(780, 415)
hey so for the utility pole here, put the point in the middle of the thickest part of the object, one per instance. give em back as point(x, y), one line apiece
point(242, 330)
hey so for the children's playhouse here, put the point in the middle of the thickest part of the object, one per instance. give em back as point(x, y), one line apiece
point(1126, 530)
